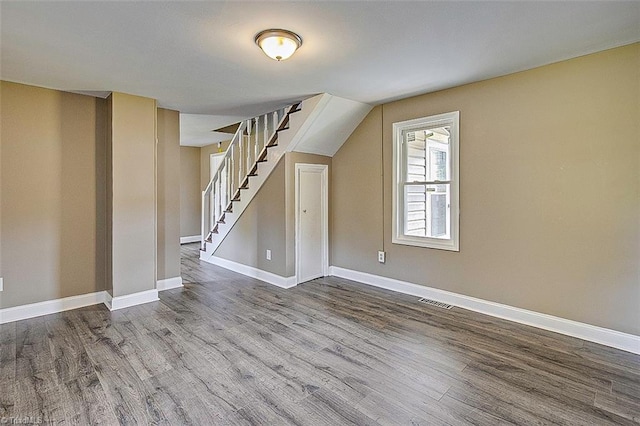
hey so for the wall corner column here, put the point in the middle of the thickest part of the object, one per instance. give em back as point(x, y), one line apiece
point(131, 204)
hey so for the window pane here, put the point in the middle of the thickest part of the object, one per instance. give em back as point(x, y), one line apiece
point(427, 153)
point(416, 156)
point(438, 164)
point(415, 210)
point(427, 211)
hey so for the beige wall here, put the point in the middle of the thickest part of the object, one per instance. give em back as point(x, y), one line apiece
point(550, 191)
point(1, 269)
point(108, 254)
point(190, 193)
point(50, 191)
point(78, 178)
point(262, 226)
point(356, 198)
point(269, 221)
point(103, 216)
point(133, 242)
point(168, 262)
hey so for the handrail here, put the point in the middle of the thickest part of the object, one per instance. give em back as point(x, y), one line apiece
point(247, 147)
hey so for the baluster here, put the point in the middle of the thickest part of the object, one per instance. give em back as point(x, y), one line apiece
point(249, 150)
point(275, 122)
point(202, 220)
point(227, 189)
point(258, 148)
point(226, 181)
point(255, 151)
point(212, 207)
point(232, 174)
point(250, 141)
point(219, 200)
point(240, 155)
point(214, 200)
point(273, 125)
point(265, 127)
point(265, 133)
point(208, 200)
point(216, 203)
point(223, 195)
point(255, 146)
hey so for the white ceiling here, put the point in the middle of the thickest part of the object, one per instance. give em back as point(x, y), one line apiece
point(199, 57)
point(197, 129)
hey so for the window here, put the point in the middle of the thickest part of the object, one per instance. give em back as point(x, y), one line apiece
point(425, 182)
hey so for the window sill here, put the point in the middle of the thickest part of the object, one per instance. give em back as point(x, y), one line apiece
point(432, 243)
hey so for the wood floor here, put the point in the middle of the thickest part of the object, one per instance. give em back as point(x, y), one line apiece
point(231, 350)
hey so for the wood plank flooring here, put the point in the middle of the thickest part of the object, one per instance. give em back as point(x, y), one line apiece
point(229, 350)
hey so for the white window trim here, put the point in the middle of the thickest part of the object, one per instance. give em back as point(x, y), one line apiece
point(398, 237)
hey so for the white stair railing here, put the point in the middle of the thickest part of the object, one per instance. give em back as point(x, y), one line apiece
point(247, 148)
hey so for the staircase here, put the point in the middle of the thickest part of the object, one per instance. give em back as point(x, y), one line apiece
point(318, 125)
point(253, 153)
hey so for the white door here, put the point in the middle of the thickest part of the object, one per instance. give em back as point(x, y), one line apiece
point(215, 161)
point(312, 251)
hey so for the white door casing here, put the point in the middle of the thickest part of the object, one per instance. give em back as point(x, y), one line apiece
point(311, 216)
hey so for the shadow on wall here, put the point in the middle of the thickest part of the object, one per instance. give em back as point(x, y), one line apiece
point(82, 196)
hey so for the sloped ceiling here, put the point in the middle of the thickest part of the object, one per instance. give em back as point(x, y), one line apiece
point(334, 119)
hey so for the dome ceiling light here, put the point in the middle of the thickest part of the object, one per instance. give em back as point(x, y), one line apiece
point(278, 44)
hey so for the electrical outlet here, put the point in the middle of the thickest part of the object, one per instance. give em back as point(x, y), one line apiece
point(268, 254)
point(1, 284)
point(381, 256)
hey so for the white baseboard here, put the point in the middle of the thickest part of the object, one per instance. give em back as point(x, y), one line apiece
point(128, 300)
point(48, 307)
point(592, 333)
point(169, 283)
point(187, 240)
point(249, 271)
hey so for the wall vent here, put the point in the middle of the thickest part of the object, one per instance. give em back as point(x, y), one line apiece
point(434, 303)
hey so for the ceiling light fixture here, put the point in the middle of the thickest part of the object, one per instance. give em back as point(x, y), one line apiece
point(278, 44)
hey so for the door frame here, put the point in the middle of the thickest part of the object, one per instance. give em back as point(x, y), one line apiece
point(324, 197)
